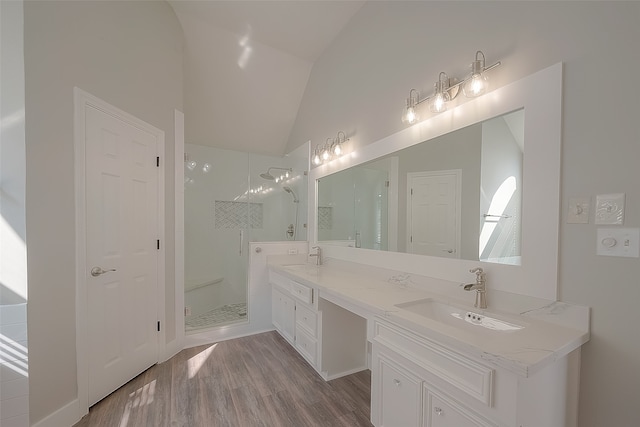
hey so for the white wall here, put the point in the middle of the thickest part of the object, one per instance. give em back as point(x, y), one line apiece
point(130, 55)
point(390, 47)
point(13, 254)
point(14, 361)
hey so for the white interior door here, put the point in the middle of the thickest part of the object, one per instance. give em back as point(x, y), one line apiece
point(433, 212)
point(122, 224)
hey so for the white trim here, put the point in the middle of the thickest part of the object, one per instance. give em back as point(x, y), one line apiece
point(83, 99)
point(540, 94)
point(65, 416)
point(177, 344)
point(409, 229)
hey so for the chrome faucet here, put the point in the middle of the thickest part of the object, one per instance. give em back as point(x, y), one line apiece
point(479, 287)
point(318, 254)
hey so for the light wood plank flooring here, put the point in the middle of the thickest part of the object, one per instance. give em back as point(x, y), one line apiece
point(258, 380)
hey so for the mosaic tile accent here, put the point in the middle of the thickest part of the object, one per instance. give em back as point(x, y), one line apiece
point(325, 217)
point(237, 215)
point(226, 314)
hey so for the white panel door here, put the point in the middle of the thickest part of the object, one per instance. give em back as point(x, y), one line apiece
point(434, 213)
point(121, 239)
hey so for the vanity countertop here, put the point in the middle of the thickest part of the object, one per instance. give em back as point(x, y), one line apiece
point(551, 330)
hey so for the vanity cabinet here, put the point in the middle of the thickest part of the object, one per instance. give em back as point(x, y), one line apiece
point(332, 339)
point(415, 374)
point(294, 314)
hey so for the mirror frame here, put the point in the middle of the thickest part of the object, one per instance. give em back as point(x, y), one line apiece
point(540, 94)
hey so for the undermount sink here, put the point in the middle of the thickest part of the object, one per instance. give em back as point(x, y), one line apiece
point(303, 268)
point(458, 317)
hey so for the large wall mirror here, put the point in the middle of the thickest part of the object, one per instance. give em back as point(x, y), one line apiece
point(485, 177)
point(455, 196)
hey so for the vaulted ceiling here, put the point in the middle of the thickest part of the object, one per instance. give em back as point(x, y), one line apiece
point(246, 66)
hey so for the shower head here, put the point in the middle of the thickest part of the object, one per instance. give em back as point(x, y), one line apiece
point(267, 175)
point(290, 191)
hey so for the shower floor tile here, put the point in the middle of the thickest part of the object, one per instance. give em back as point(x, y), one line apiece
point(226, 314)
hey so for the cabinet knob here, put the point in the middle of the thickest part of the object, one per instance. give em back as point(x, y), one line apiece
point(397, 382)
point(438, 411)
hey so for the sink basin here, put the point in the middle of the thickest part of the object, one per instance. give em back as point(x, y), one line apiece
point(303, 268)
point(458, 317)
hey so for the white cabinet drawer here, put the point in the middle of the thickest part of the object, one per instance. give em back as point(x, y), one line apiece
point(440, 411)
point(302, 292)
point(307, 319)
point(467, 375)
point(306, 345)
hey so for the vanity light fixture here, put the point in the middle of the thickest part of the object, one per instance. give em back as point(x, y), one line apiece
point(477, 82)
point(410, 115)
point(332, 148)
point(336, 147)
point(442, 94)
point(446, 89)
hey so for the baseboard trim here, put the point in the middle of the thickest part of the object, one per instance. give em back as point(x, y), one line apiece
point(68, 415)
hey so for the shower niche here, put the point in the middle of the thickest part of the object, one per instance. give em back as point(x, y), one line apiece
point(232, 198)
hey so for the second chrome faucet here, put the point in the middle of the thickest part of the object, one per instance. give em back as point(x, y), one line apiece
point(479, 287)
point(318, 254)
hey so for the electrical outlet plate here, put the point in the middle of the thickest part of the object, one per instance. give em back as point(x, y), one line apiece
point(610, 209)
point(578, 210)
point(622, 242)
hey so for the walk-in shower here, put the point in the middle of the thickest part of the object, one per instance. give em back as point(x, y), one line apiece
point(230, 201)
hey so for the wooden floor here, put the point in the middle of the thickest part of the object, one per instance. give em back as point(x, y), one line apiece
point(253, 381)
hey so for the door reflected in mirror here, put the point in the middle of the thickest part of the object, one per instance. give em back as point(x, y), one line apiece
point(457, 196)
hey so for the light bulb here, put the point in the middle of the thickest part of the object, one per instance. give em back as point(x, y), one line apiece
point(475, 85)
point(337, 150)
point(441, 96)
point(286, 174)
point(316, 159)
point(439, 102)
point(191, 165)
point(409, 115)
point(325, 154)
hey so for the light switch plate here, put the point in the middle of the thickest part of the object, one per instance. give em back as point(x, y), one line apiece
point(623, 242)
point(610, 209)
point(578, 210)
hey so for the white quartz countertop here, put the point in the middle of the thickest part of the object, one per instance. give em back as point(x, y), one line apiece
point(551, 329)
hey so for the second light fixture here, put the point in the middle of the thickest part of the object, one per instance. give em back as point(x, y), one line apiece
point(446, 89)
point(332, 148)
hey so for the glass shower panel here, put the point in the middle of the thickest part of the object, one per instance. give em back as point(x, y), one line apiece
point(217, 218)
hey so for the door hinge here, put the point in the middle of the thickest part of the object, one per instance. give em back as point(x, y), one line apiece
point(412, 191)
point(411, 239)
point(386, 184)
point(157, 162)
point(158, 243)
point(158, 326)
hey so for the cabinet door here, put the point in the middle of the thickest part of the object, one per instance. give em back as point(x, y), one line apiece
point(276, 309)
point(400, 395)
point(283, 311)
point(288, 317)
point(442, 412)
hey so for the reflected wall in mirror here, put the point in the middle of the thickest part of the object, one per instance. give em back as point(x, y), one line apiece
point(457, 196)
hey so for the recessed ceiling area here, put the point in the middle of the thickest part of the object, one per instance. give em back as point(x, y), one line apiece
point(246, 66)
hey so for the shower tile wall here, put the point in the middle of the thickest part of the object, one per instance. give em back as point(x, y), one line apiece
point(237, 215)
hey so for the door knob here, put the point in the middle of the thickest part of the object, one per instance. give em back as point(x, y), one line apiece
point(96, 271)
